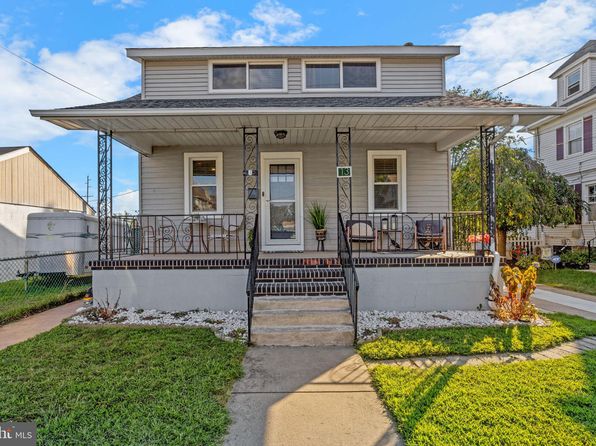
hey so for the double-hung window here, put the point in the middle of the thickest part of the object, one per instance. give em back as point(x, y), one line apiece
point(573, 82)
point(247, 76)
point(574, 138)
point(591, 199)
point(386, 180)
point(203, 182)
point(338, 75)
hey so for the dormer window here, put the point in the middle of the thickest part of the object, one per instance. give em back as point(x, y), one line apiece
point(234, 77)
point(573, 82)
point(341, 75)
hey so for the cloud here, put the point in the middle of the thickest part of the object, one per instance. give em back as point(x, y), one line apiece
point(126, 201)
point(119, 4)
point(361, 13)
point(101, 67)
point(497, 48)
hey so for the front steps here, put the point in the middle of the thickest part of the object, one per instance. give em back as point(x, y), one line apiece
point(301, 302)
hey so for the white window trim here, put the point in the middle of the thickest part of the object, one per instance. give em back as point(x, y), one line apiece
point(579, 70)
point(248, 62)
point(567, 140)
point(203, 156)
point(587, 195)
point(401, 154)
point(341, 75)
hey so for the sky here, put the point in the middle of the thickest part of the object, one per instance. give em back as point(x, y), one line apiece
point(83, 42)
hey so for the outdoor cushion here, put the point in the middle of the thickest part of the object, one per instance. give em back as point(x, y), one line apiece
point(362, 231)
point(429, 227)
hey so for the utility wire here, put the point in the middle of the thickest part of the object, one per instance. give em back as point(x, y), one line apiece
point(51, 74)
point(124, 193)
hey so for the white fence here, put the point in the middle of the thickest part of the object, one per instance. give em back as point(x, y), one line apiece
point(527, 245)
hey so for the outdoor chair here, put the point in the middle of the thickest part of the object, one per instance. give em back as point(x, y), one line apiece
point(361, 231)
point(430, 234)
point(226, 229)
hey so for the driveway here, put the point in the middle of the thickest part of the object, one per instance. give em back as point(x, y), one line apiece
point(570, 302)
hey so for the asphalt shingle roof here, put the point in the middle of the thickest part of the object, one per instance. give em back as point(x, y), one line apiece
point(589, 47)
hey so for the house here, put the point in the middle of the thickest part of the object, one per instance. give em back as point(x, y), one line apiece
point(28, 185)
point(236, 144)
point(565, 143)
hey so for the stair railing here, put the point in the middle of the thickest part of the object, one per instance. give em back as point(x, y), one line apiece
point(344, 252)
point(252, 275)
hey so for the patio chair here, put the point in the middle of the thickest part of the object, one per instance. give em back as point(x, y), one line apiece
point(430, 234)
point(361, 231)
point(229, 228)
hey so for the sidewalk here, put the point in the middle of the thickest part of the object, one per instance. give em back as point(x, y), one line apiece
point(570, 302)
point(21, 330)
point(307, 396)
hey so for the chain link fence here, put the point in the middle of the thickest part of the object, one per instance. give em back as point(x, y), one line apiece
point(40, 281)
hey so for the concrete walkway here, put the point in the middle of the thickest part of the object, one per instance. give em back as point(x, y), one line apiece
point(570, 302)
point(566, 349)
point(21, 330)
point(307, 396)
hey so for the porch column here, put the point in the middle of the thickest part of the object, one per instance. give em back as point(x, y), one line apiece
point(488, 192)
point(250, 172)
point(104, 193)
point(343, 158)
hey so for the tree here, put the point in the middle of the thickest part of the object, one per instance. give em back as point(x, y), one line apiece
point(527, 194)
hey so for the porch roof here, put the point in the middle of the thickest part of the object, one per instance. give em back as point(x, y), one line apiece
point(443, 121)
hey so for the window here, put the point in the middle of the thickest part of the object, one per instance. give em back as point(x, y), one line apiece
point(591, 199)
point(573, 82)
point(386, 180)
point(247, 76)
point(203, 177)
point(337, 75)
point(574, 138)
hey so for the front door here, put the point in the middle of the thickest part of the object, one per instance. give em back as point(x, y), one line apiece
point(281, 201)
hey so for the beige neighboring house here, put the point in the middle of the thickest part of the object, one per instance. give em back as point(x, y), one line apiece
point(565, 143)
point(28, 184)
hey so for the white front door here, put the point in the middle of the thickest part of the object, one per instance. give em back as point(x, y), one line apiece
point(281, 201)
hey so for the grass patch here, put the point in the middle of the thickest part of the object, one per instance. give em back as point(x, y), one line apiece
point(475, 340)
point(17, 301)
point(547, 402)
point(569, 279)
point(108, 385)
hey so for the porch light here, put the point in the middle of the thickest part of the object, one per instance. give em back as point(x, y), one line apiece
point(280, 134)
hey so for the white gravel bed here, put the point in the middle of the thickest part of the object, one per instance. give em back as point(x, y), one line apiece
point(226, 324)
point(371, 323)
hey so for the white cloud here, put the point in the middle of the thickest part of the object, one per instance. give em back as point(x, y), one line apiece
point(119, 4)
point(101, 67)
point(126, 201)
point(361, 13)
point(497, 48)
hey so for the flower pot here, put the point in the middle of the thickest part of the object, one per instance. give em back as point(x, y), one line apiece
point(321, 234)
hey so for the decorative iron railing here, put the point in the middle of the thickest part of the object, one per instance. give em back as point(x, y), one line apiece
point(344, 253)
point(252, 276)
point(416, 231)
point(178, 234)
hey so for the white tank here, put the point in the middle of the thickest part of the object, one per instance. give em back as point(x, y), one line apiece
point(61, 232)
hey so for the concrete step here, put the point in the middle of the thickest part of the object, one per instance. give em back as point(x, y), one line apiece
point(287, 302)
point(317, 288)
point(299, 274)
point(282, 318)
point(295, 336)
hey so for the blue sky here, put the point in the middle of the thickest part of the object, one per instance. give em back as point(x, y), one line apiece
point(83, 42)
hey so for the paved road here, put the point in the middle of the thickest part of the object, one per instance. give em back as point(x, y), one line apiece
point(555, 299)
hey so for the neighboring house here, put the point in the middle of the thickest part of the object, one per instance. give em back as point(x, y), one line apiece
point(565, 143)
point(28, 184)
point(235, 144)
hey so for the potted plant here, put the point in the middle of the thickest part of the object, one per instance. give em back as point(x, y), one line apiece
point(317, 216)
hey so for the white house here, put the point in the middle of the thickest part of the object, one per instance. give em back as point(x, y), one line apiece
point(565, 143)
point(236, 144)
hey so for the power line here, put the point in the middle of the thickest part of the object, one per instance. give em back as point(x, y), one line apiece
point(124, 193)
point(51, 74)
point(533, 71)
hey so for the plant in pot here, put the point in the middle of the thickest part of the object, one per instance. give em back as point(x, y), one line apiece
point(317, 216)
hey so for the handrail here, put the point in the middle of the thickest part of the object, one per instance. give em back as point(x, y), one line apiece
point(252, 276)
point(344, 252)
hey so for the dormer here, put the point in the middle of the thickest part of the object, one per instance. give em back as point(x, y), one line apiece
point(576, 78)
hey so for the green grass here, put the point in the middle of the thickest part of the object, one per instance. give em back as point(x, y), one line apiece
point(569, 279)
point(121, 386)
point(548, 402)
point(474, 340)
point(16, 301)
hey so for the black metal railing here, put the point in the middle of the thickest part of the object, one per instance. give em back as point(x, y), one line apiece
point(252, 275)
point(416, 231)
point(344, 253)
point(178, 234)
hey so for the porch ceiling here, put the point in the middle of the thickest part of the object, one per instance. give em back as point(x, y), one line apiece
point(143, 131)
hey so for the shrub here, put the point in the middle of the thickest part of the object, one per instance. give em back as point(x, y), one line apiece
point(525, 262)
point(516, 305)
point(575, 258)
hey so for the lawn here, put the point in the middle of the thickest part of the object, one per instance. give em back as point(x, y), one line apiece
point(548, 402)
point(569, 279)
point(474, 340)
point(126, 386)
point(17, 301)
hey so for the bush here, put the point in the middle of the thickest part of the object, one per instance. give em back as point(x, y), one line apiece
point(575, 259)
point(525, 262)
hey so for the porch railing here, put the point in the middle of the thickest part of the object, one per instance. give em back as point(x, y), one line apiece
point(178, 234)
point(252, 278)
point(344, 253)
point(416, 231)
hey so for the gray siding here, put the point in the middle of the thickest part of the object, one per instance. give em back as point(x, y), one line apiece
point(162, 180)
point(412, 77)
point(586, 83)
point(174, 79)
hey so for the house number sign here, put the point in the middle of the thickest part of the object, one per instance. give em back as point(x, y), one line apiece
point(344, 172)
